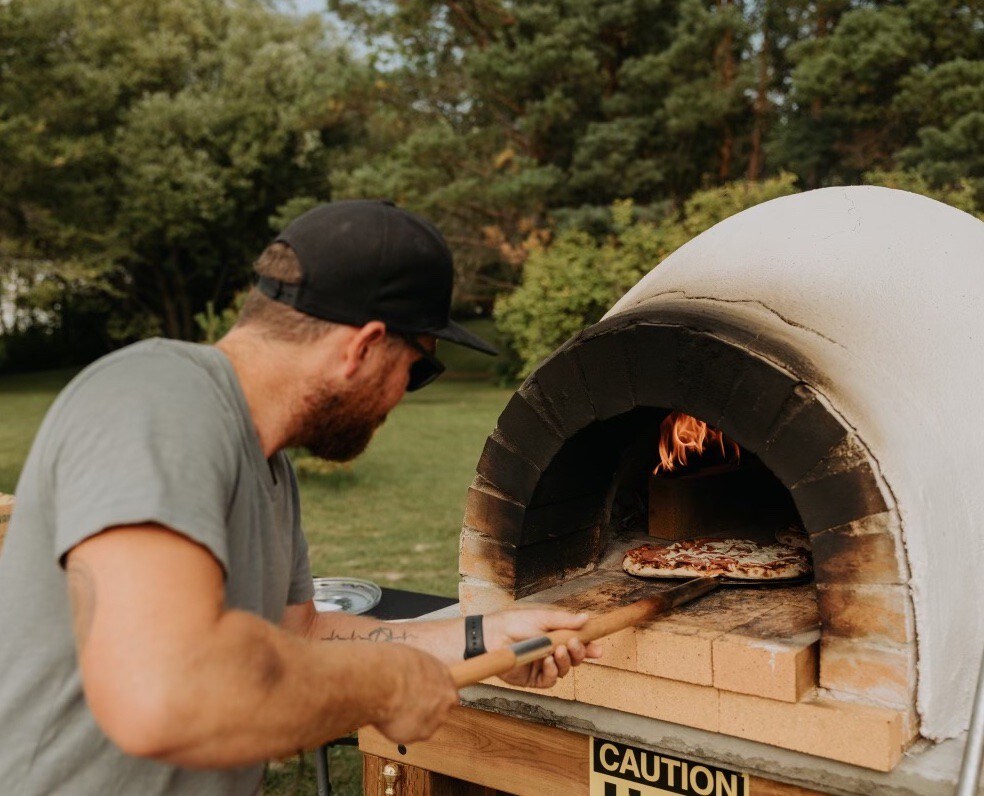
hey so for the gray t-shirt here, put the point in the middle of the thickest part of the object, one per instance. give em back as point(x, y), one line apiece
point(157, 432)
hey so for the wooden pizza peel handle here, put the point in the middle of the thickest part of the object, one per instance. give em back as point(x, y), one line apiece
point(500, 661)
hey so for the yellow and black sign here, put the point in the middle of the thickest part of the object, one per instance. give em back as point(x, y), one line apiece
point(621, 770)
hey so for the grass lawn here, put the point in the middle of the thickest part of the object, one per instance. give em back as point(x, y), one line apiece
point(23, 401)
point(392, 516)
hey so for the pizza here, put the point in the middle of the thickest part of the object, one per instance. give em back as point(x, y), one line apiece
point(793, 537)
point(742, 559)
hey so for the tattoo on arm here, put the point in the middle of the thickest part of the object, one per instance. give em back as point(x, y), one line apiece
point(82, 591)
point(380, 633)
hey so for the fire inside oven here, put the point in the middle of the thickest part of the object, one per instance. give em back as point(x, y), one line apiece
point(682, 478)
point(650, 475)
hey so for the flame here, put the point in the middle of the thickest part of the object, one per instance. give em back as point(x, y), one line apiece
point(681, 435)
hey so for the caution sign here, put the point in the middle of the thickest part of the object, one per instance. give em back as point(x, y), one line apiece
point(621, 770)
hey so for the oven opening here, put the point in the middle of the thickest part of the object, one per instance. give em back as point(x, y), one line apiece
point(683, 479)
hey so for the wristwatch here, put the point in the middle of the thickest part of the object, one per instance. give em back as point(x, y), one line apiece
point(474, 638)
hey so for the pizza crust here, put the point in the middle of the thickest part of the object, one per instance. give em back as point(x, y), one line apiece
point(741, 559)
point(793, 537)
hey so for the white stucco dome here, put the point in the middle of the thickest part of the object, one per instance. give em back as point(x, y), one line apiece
point(882, 292)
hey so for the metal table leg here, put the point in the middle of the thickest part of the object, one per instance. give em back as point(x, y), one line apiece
point(321, 772)
point(970, 771)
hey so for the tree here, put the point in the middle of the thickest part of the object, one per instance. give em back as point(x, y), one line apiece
point(960, 194)
point(148, 149)
point(495, 97)
point(851, 95)
point(679, 116)
point(500, 112)
point(571, 282)
point(50, 210)
point(946, 105)
point(153, 141)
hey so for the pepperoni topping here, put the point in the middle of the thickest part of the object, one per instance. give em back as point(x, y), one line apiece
point(707, 555)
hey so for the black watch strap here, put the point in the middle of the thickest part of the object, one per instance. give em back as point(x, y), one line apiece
point(474, 638)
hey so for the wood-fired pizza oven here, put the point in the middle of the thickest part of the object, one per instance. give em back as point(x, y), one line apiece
point(836, 337)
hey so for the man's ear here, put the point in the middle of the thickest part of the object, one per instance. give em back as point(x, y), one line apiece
point(361, 346)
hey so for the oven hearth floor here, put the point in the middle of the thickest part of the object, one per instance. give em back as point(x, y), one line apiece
point(750, 640)
point(742, 661)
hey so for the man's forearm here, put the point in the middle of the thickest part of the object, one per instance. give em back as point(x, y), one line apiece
point(442, 638)
point(169, 674)
point(256, 692)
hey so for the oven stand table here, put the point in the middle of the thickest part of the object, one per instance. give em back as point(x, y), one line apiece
point(395, 604)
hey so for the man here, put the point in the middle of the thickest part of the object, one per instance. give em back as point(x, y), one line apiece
point(157, 517)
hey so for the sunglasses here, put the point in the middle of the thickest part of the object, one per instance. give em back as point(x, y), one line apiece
point(425, 369)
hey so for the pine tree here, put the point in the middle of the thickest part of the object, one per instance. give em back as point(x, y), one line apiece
point(847, 113)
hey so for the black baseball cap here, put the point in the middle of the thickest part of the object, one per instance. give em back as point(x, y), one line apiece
point(368, 260)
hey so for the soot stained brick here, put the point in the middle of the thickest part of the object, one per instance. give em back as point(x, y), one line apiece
point(652, 360)
point(494, 516)
point(534, 395)
point(603, 363)
point(847, 455)
point(560, 519)
point(755, 402)
point(541, 565)
point(843, 558)
point(507, 471)
point(528, 432)
point(487, 559)
point(563, 387)
point(803, 434)
point(838, 499)
point(708, 370)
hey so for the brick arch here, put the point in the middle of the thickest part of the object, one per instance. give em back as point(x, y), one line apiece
point(532, 514)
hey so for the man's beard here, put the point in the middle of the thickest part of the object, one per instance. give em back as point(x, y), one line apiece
point(338, 426)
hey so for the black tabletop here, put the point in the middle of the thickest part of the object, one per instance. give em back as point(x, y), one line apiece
point(400, 604)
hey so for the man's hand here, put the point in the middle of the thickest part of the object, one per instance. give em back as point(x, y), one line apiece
point(507, 627)
point(421, 701)
point(424, 692)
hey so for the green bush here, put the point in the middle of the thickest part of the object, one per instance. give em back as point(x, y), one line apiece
point(960, 194)
point(215, 325)
point(572, 282)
